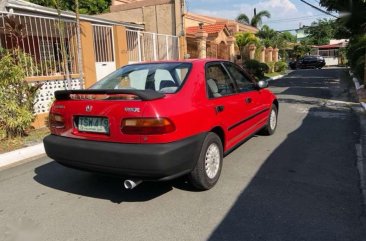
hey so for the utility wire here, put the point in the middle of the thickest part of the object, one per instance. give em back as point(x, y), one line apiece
point(319, 9)
point(292, 19)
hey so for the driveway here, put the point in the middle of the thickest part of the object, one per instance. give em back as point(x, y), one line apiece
point(300, 184)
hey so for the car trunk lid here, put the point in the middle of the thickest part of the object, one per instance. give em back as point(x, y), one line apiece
point(98, 114)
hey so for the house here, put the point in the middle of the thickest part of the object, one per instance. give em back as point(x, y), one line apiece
point(220, 41)
point(51, 40)
point(301, 34)
point(331, 51)
point(193, 19)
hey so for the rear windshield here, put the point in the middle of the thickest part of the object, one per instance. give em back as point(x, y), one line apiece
point(161, 77)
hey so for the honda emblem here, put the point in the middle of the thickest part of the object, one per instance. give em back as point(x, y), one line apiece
point(88, 108)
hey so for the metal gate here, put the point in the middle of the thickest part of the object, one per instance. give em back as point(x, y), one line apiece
point(103, 50)
point(145, 46)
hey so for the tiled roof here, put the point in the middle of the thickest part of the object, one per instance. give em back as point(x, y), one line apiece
point(210, 29)
point(216, 20)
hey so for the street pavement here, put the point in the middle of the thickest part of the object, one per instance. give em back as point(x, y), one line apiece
point(302, 183)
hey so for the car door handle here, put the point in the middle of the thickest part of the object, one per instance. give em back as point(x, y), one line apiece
point(248, 100)
point(219, 108)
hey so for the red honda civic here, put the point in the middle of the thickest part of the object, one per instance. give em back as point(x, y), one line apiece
point(160, 120)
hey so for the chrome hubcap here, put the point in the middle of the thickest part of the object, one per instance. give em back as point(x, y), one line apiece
point(273, 120)
point(212, 160)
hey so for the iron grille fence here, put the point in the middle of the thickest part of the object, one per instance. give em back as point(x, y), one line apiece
point(145, 46)
point(329, 53)
point(49, 42)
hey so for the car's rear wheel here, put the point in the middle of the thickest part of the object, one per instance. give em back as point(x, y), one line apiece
point(271, 125)
point(208, 168)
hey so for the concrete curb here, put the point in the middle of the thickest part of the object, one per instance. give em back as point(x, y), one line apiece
point(360, 148)
point(357, 86)
point(20, 155)
point(276, 77)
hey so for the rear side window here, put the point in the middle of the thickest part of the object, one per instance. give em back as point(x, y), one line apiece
point(218, 81)
point(161, 77)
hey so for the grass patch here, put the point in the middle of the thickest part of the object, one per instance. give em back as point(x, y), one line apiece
point(33, 137)
point(270, 75)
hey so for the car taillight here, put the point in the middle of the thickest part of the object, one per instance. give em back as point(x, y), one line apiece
point(147, 126)
point(56, 121)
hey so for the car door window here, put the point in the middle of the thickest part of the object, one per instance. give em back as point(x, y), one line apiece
point(218, 81)
point(243, 82)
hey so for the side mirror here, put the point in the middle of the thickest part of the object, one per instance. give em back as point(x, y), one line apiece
point(262, 84)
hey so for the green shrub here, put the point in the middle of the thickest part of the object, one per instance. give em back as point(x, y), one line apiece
point(16, 95)
point(356, 54)
point(271, 67)
point(280, 66)
point(256, 68)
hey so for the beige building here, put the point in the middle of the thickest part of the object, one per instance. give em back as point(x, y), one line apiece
point(169, 17)
point(193, 19)
point(220, 39)
point(158, 16)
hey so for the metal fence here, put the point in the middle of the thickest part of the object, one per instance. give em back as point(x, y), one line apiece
point(145, 46)
point(49, 43)
point(329, 53)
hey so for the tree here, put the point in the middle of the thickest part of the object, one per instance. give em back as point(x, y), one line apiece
point(256, 20)
point(289, 37)
point(302, 49)
point(245, 39)
point(352, 13)
point(353, 23)
point(321, 32)
point(267, 35)
point(85, 6)
point(270, 37)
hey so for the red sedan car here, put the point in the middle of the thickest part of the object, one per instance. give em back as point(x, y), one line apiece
point(160, 120)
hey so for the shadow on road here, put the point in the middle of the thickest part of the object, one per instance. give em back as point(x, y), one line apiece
point(306, 190)
point(93, 185)
point(309, 83)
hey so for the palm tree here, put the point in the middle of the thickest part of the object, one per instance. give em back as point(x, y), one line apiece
point(256, 20)
point(245, 39)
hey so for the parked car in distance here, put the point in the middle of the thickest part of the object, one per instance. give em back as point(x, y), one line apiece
point(309, 61)
point(161, 120)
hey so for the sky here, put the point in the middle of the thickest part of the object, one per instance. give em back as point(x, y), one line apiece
point(285, 14)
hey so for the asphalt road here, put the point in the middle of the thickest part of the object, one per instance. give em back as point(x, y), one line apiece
point(300, 184)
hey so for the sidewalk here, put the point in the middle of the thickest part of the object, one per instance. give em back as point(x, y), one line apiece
point(361, 149)
point(20, 155)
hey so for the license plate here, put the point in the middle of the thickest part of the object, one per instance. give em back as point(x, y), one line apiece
point(93, 124)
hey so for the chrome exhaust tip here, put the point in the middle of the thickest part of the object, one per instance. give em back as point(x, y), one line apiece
point(131, 184)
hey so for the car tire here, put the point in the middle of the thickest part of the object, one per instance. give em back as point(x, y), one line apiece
point(271, 125)
point(208, 168)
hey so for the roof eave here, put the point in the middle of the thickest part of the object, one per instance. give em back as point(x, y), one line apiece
point(72, 15)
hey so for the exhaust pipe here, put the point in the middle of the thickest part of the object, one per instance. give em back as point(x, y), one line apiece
point(131, 184)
